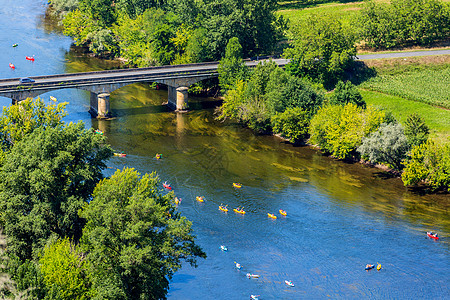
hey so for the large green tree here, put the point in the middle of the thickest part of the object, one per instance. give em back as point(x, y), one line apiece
point(231, 67)
point(322, 49)
point(44, 181)
point(134, 237)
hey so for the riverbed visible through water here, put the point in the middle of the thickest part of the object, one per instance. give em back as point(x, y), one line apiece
point(340, 216)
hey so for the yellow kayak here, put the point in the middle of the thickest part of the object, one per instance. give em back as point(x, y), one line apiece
point(223, 208)
point(271, 216)
point(200, 198)
point(237, 185)
point(283, 213)
point(239, 211)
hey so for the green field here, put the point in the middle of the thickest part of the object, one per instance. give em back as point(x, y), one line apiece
point(437, 119)
point(427, 86)
point(296, 11)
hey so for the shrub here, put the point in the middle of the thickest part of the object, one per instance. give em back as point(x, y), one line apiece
point(339, 130)
point(291, 124)
point(416, 130)
point(430, 163)
point(346, 92)
point(388, 145)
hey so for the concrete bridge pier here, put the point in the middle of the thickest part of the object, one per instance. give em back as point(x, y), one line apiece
point(178, 98)
point(100, 105)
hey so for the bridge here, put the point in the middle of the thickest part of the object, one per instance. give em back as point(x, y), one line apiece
point(102, 83)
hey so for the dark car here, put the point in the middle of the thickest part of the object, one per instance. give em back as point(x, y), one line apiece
point(26, 80)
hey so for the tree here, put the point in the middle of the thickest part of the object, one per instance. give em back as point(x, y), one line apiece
point(346, 92)
point(430, 163)
point(23, 118)
point(287, 91)
point(291, 124)
point(416, 130)
point(65, 271)
point(388, 145)
point(44, 181)
point(340, 130)
point(322, 48)
point(231, 67)
point(134, 237)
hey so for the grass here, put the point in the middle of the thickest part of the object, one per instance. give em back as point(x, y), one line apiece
point(344, 11)
point(429, 86)
point(436, 118)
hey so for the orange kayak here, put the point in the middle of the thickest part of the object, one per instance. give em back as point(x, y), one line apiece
point(282, 212)
point(200, 198)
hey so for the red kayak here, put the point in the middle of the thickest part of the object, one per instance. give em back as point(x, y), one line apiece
point(29, 58)
point(167, 186)
point(12, 66)
point(432, 235)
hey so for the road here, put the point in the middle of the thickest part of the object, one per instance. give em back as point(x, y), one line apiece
point(403, 54)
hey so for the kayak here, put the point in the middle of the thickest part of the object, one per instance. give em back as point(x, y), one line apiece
point(254, 297)
point(158, 156)
point(200, 198)
point(15, 45)
point(272, 216)
point(97, 131)
point(432, 235)
point(237, 185)
point(238, 266)
point(177, 200)
point(12, 66)
point(120, 154)
point(223, 208)
point(283, 213)
point(223, 248)
point(378, 267)
point(239, 211)
point(167, 186)
point(53, 98)
point(249, 275)
point(31, 58)
point(369, 267)
point(289, 283)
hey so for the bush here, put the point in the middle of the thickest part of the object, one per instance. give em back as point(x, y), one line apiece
point(339, 130)
point(416, 130)
point(388, 145)
point(429, 163)
point(291, 124)
point(346, 92)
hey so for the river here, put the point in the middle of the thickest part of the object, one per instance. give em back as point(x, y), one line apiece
point(340, 216)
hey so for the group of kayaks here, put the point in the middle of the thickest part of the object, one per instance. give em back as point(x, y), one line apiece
point(371, 266)
point(252, 275)
point(30, 58)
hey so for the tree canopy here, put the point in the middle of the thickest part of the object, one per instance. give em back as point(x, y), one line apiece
point(44, 181)
point(134, 237)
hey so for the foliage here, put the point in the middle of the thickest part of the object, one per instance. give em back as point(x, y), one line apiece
point(231, 67)
point(287, 91)
point(416, 130)
point(404, 22)
point(339, 130)
point(291, 124)
point(322, 48)
point(134, 237)
point(62, 7)
point(268, 91)
point(430, 163)
point(346, 92)
point(65, 270)
point(44, 181)
point(388, 145)
point(19, 120)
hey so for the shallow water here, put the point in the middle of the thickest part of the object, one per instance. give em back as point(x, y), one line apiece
point(340, 216)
